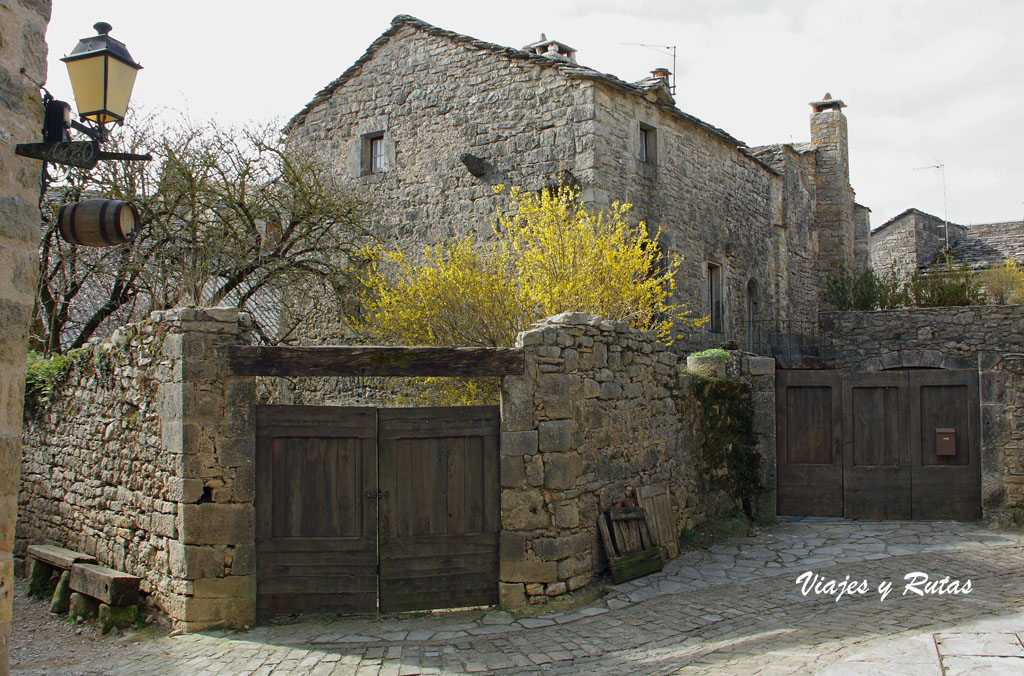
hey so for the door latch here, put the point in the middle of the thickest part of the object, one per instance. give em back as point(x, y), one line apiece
point(376, 494)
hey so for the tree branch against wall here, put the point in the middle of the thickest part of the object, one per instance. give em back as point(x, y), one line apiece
point(226, 216)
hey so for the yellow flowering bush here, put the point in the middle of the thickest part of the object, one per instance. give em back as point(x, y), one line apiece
point(550, 254)
point(1005, 283)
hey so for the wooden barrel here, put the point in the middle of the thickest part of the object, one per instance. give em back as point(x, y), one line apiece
point(98, 222)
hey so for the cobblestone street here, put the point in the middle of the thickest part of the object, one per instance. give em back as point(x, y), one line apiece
point(735, 608)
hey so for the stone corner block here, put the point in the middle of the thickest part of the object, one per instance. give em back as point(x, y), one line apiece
point(519, 443)
point(511, 595)
point(217, 524)
point(528, 571)
point(760, 366)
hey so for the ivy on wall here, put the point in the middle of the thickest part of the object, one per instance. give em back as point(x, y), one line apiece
point(730, 461)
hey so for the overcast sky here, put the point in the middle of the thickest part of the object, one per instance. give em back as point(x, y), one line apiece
point(925, 81)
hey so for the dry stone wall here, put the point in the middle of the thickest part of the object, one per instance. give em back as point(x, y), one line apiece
point(601, 410)
point(989, 339)
point(22, 50)
point(144, 460)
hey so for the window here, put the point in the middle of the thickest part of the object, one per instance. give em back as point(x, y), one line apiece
point(373, 154)
point(753, 305)
point(377, 154)
point(648, 144)
point(714, 297)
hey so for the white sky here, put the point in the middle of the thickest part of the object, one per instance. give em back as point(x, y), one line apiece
point(925, 81)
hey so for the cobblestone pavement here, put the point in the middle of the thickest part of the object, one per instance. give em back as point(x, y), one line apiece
point(735, 608)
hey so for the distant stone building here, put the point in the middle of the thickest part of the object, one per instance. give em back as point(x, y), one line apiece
point(428, 120)
point(915, 239)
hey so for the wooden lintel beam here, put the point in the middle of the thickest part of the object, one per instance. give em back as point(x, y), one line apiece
point(260, 360)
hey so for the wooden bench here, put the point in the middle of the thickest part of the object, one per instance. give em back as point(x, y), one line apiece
point(45, 561)
point(105, 584)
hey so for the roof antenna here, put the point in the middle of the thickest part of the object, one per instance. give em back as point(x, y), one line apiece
point(658, 48)
point(945, 203)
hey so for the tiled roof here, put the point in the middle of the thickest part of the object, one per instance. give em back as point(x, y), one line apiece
point(569, 69)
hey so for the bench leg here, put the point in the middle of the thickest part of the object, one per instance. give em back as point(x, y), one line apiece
point(62, 594)
point(117, 616)
point(40, 579)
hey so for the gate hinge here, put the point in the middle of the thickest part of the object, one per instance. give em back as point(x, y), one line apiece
point(376, 494)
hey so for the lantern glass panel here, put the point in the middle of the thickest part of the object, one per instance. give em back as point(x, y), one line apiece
point(120, 81)
point(86, 77)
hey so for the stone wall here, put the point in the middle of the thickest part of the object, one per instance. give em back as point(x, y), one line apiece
point(144, 459)
point(910, 241)
point(601, 410)
point(22, 46)
point(987, 338)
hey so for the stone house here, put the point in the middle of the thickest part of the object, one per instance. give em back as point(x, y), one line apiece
point(915, 239)
point(428, 120)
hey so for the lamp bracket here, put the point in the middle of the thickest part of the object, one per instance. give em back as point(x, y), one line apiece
point(81, 154)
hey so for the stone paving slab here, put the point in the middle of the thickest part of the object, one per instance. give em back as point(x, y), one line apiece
point(734, 608)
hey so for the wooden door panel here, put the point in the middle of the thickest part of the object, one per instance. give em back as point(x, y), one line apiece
point(946, 487)
point(440, 516)
point(876, 451)
point(808, 434)
point(316, 532)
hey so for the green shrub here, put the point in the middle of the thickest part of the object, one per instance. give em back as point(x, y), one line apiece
point(943, 285)
point(43, 376)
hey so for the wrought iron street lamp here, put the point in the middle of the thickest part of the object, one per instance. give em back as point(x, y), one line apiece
point(102, 75)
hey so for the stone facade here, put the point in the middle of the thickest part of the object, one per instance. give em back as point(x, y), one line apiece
point(144, 459)
point(601, 410)
point(910, 241)
point(455, 116)
point(987, 338)
point(22, 46)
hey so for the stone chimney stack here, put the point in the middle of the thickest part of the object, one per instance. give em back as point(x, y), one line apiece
point(552, 49)
point(661, 74)
point(834, 209)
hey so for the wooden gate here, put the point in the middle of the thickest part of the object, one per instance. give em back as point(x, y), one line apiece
point(360, 509)
point(882, 445)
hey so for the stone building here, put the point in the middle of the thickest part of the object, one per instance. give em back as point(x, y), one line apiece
point(428, 120)
point(22, 62)
point(915, 239)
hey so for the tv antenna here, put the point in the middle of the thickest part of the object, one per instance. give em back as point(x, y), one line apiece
point(945, 203)
point(659, 48)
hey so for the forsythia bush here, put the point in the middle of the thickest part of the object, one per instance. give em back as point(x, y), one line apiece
point(1004, 284)
point(550, 254)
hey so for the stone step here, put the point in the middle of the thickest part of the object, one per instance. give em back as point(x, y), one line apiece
point(58, 557)
point(106, 584)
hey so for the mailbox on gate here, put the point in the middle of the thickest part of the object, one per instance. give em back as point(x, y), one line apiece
point(945, 441)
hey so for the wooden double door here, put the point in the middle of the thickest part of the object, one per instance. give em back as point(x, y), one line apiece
point(881, 445)
point(365, 509)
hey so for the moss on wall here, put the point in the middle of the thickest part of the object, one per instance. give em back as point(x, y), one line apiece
point(729, 460)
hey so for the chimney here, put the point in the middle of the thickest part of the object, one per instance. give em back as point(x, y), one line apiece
point(661, 74)
point(553, 49)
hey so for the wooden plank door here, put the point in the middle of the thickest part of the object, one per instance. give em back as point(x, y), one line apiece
point(945, 486)
point(809, 438)
point(440, 516)
point(316, 530)
point(876, 446)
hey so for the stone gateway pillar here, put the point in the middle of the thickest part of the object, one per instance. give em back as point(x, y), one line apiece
point(22, 46)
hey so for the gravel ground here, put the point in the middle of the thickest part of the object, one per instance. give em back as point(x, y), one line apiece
point(46, 644)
